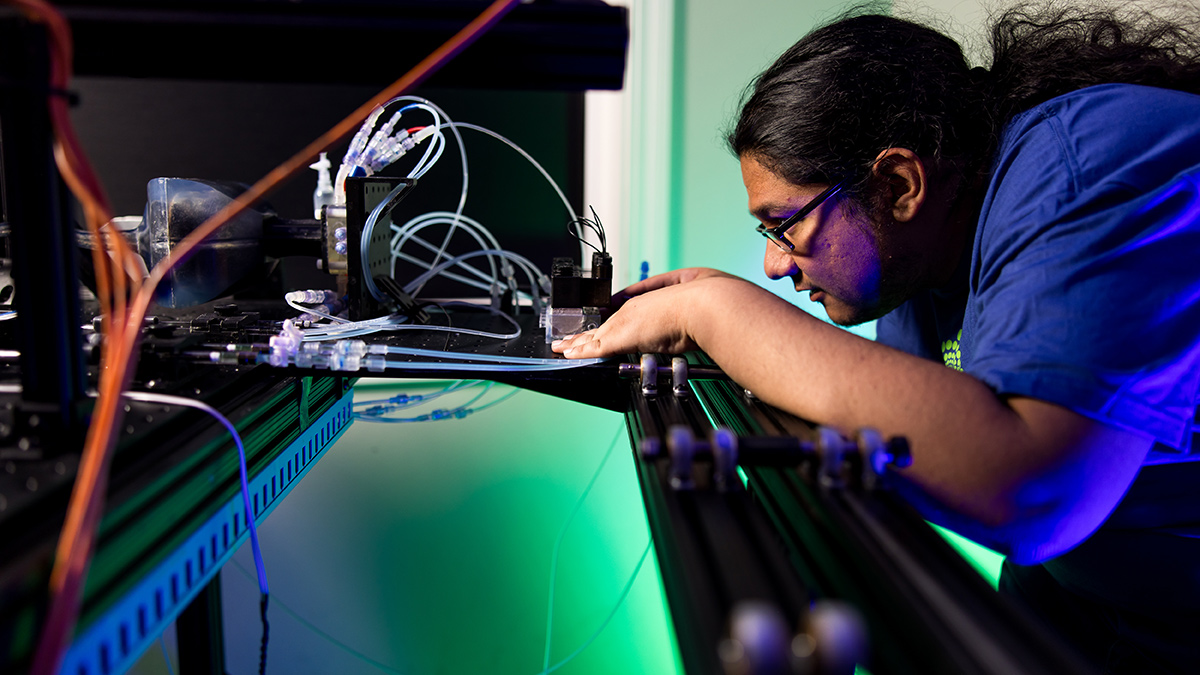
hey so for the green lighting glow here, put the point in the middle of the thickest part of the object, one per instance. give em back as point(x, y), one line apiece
point(427, 547)
point(985, 561)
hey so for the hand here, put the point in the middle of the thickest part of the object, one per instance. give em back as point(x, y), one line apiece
point(653, 322)
point(654, 316)
point(672, 278)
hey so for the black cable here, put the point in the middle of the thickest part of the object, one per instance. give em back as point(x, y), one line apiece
point(575, 227)
point(599, 228)
point(266, 633)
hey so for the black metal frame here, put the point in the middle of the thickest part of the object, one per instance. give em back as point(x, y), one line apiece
point(925, 609)
point(42, 248)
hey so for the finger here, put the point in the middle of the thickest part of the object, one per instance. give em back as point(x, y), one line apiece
point(651, 284)
point(560, 346)
point(588, 349)
point(644, 286)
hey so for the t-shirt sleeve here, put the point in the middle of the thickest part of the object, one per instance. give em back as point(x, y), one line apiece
point(1085, 290)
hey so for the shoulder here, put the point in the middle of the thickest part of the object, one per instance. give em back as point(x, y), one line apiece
point(1117, 133)
point(1090, 153)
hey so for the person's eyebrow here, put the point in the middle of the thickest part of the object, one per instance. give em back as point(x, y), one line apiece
point(770, 211)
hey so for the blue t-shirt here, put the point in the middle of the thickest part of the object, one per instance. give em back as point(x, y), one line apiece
point(1083, 289)
point(1083, 285)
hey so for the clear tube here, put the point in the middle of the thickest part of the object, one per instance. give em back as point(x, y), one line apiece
point(473, 228)
point(559, 364)
point(462, 151)
point(365, 239)
point(534, 276)
point(392, 323)
point(526, 155)
point(437, 145)
point(294, 303)
point(454, 126)
point(444, 218)
point(554, 364)
point(473, 283)
point(421, 280)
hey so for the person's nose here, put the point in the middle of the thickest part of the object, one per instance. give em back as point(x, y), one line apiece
point(778, 263)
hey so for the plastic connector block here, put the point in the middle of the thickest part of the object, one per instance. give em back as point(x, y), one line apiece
point(579, 301)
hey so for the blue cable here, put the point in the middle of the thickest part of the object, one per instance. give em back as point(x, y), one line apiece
point(320, 633)
point(147, 397)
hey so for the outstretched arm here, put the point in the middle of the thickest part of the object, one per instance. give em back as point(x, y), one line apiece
point(1031, 478)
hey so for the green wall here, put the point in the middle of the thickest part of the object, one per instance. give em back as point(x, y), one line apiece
point(720, 47)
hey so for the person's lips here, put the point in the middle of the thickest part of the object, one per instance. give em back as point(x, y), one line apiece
point(803, 286)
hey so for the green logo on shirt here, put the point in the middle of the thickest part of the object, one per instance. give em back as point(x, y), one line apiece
point(951, 354)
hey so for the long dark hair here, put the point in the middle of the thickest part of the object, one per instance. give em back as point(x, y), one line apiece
point(848, 90)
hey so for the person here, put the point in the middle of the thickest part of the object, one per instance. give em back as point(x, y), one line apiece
point(1028, 236)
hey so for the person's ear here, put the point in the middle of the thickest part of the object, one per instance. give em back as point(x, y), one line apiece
point(904, 183)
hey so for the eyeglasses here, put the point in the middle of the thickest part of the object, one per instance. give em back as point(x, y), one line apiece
point(776, 234)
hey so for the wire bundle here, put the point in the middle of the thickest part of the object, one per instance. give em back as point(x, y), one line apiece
point(371, 150)
point(124, 299)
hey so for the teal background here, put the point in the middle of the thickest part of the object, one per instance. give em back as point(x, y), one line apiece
point(719, 48)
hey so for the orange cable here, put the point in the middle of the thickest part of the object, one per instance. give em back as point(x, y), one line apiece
point(78, 535)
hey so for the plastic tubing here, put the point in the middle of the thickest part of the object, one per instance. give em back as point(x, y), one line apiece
point(559, 364)
point(397, 253)
point(419, 281)
point(492, 358)
point(414, 225)
point(452, 413)
point(536, 279)
point(473, 228)
point(365, 239)
point(347, 330)
point(526, 155)
point(380, 415)
point(309, 310)
point(401, 401)
point(534, 276)
point(388, 203)
point(466, 281)
point(437, 145)
point(338, 333)
point(462, 152)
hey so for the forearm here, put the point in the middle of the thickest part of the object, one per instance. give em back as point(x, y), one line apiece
point(1006, 464)
point(827, 375)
